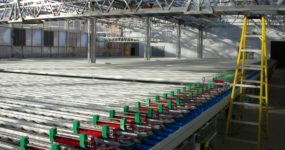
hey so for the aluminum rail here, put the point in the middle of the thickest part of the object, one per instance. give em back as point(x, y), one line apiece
point(13, 136)
point(14, 11)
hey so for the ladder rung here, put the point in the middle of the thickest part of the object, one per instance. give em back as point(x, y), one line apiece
point(246, 104)
point(252, 50)
point(245, 122)
point(251, 67)
point(247, 86)
point(254, 96)
point(252, 81)
point(253, 35)
point(242, 140)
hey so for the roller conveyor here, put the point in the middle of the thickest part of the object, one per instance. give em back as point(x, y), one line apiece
point(47, 110)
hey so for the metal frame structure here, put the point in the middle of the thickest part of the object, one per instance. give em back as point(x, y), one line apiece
point(12, 11)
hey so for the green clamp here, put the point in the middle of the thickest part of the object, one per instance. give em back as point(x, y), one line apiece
point(138, 105)
point(178, 101)
point(147, 101)
point(171, 93)
point(169, 104)
point(105, 131)
point(185, 97)
point(150, 112)
point(178, 91)
point(160, 108)
point(95, 119)
point(75, 127)
point(208, 86)
point(24, 141)
point(196, 92)
point(55, 146)
point(138, 118)
point(164, 96)
point(157, 98)
point(112, 113)
point(83, 140)
point(184, 89)
point(189, 87)
point(123, 123)
point(52, 133)
point(126, 109)
point(200, 90)
point(190, 95)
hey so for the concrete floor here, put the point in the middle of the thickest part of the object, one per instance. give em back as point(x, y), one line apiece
point(277, 113)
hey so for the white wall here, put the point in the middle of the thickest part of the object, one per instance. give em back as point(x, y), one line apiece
point(219, 41)
point(34, 48)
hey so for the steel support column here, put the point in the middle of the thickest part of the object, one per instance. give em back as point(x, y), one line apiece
point(66, 28)
point(12, 40)
point(42, 41)
point(92, 40)
point(200, 43)
point(147, 50)
point(178, 44)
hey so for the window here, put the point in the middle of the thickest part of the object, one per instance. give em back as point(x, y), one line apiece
point(48, 38)
point(19, 37)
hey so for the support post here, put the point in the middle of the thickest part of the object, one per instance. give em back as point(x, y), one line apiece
point(42, 40)
point(200, 43)
point(147, 50)
point(92, 40)
point(12, 40)
point(66, 28)
point(178, 44)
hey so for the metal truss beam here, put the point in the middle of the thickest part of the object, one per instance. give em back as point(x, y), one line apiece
point(12, 11)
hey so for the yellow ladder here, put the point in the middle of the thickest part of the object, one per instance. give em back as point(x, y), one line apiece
point(240, 100)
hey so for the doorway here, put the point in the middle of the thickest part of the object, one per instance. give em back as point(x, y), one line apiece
point(278, 53)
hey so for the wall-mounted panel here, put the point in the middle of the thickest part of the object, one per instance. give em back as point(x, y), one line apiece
point(62, 39)
point(54, 51)
point(5, 37)
point(5, 51)
point(37, 38)
point(84, 40)
point(27, 51)
point(36, 51)
point(62, 51)
point(46, 52)
point(17, 52)
point(29, 37)
point(78, 40)
point(72, 39)
point(55, 38)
